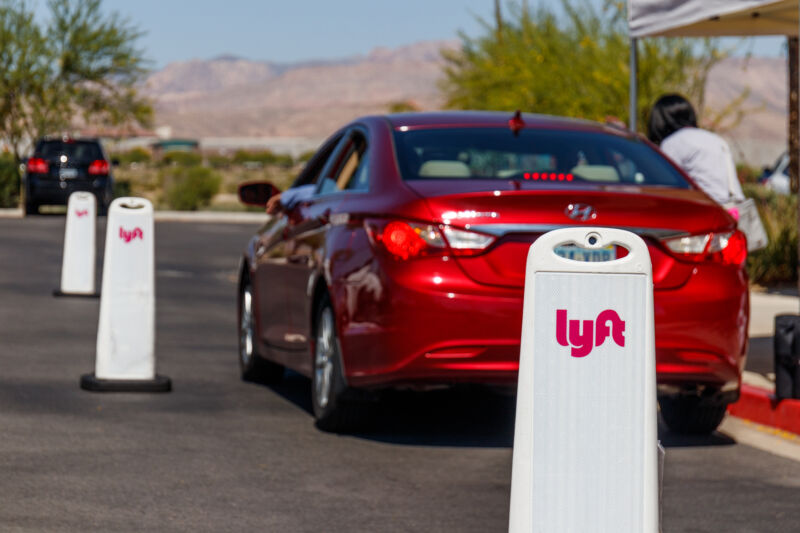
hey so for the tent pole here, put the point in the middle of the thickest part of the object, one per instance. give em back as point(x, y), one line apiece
point(634, 88)
point(794, 122)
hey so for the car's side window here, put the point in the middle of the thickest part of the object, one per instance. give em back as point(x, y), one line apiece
point(360, 179)
point(313, 169)
point(349, 170)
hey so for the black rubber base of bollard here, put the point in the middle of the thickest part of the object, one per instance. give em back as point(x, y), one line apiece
point(94, 384)
point(58, 294)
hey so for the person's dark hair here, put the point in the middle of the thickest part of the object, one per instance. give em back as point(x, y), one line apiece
point(669, 114)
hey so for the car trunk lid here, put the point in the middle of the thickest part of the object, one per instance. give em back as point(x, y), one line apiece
point(516, 216)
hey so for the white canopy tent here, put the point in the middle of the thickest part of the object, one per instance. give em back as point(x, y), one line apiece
point(706, 18)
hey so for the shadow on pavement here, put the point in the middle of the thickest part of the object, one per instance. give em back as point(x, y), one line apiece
point(462, 416)
point(675, 440)
point(468, 416)
point(782, 289)
point(295, 389)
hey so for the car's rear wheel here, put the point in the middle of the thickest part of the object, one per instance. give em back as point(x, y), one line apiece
point(253, 366)
point(337, 408)
point(691, 415)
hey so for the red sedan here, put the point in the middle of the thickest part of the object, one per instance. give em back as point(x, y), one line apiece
point(398, 257)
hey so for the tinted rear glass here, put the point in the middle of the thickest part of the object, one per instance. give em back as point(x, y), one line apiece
point(534, 155)
point(76, 151)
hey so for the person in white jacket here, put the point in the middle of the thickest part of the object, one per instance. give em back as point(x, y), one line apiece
point(703, 155)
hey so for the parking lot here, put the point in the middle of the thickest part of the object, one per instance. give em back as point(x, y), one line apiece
point(218, 454)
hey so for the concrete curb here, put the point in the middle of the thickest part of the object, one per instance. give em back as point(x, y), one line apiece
point(221, 217)
point(11, 213)
point(211, 216)
point(759, 405)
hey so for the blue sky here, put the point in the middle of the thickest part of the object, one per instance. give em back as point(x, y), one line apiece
point(292, 30)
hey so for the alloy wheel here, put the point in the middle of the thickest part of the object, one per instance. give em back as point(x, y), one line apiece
point(323, 358)
point(246, 327)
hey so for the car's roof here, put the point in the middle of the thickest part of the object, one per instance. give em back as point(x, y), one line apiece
point(496, 119)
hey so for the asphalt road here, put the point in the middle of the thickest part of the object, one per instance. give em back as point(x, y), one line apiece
point(217, 454)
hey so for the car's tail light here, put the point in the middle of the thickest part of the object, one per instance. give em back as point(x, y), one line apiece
point(99, 167)
point(729, 248)
point(37, 165)
point(466, 242)
point(406, 240)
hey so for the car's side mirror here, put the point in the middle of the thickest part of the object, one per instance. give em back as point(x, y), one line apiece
point(257, 193)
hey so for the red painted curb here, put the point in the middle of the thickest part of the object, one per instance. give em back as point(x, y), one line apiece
point(760, 406)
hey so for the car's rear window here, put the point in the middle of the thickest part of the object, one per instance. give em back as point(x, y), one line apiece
point(76, 151)
point(564, 156)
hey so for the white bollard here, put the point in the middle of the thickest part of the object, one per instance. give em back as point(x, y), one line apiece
point(77, 265)
point(126, 330)
point(585, 443)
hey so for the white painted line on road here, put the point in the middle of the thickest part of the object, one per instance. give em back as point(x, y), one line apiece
point(767, 439)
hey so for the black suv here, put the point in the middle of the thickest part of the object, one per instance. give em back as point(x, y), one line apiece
point(61, 166)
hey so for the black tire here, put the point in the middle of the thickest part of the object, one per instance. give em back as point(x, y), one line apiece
point(691, 415)
point(337, 408)
point(31, 208)
point(253, 367)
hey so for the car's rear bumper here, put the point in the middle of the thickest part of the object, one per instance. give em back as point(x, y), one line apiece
point(441, 328)
point(56, 192)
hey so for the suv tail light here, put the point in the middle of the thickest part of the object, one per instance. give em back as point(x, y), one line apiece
point(729, 248)
point(37, 165)
point(99, 167)
point(406, 240)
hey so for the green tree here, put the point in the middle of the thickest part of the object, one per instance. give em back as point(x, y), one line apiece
point(81, 65)
point(573, 63)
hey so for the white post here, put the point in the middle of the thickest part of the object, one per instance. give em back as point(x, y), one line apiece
point(585, 445)
point(634, 86)
point(126, 330)
point(77, 265)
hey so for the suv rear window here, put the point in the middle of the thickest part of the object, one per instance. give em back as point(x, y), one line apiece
point(535, 155)
point(76, 151)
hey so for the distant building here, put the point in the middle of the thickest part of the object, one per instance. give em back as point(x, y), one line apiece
point(164, 146)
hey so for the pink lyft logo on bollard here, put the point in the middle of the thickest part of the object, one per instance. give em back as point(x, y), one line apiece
point(583, 342)
point(82, 212)
point(128, 236)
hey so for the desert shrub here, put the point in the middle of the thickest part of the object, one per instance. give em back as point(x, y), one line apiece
point(305, 156)
point(122, 188)
point(261, 158)
point(778, 261)
point(135, 155)
point(748, 174)
point(182, 159)
point(9, 181)
point(187, 189)
point(218, 161)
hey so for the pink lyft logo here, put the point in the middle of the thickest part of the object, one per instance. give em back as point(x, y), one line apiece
point(128, 236)
point(583, 342)
point(82, 212)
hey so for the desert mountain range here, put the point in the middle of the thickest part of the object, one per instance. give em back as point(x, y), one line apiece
point(235, 97)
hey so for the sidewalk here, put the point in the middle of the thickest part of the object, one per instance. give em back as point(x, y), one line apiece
point(757, 402)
